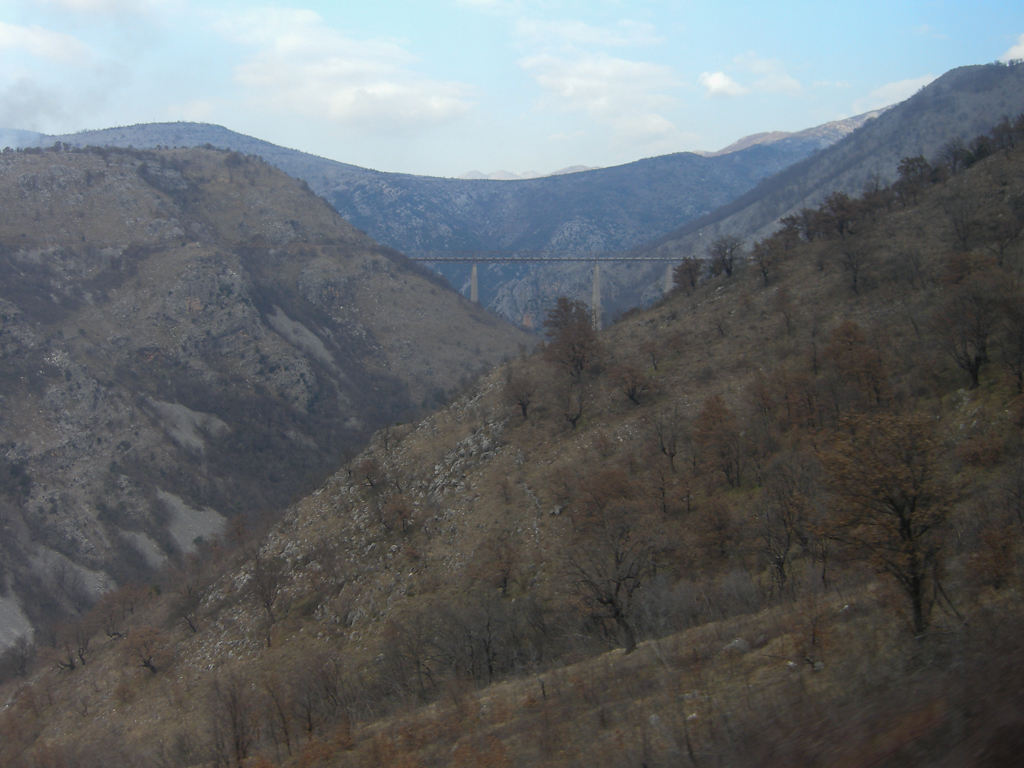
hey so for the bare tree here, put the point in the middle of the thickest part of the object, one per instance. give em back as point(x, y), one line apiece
point(766, 256)
point(963, 213)
point(520, 389)
point(265, 584)
point(232, 719)
point(147, 647)
point(613, 557)
point(723, 253)
point(670, 432)
point(572, 341)
point(841, 211)
point(784, 513)
point(687, 274)
point(914, 174)
point(572, 394)
point(969, 316)
point(891, 501)
point(854, 257)
point(720, 440)
point(607, 574)
point(631, 381)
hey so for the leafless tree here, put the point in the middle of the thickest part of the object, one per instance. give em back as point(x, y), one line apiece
point(265, 584)
point(232, 719)
point(892, 501)
point(724, 253)
point(572, 341)
point(520, 389)
point(615, 561)
point(687, 274)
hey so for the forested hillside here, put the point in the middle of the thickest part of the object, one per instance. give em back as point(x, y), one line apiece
point(775, 520)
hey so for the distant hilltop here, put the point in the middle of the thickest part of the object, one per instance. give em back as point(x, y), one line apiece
point(510, 176)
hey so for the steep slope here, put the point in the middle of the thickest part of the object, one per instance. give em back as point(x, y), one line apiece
point(774, 520)
point(959, 105)
point(591, 212)
point(189, 336)
point(826, 134)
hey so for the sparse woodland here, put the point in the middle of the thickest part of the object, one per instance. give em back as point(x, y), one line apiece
point(775, 520)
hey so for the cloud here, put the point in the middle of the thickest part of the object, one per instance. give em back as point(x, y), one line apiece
point(1016, 53)
point(720, 84)
point(599, 84)
point(28, 105)
point(197, 110)
point(764, 76)
point(579, 33)
point(42, 43)
point(110, 6)
point(891, 93)
point(927, 30)
point(301, 66)
point(629, 97)
point(770, 74)
point(831, 84)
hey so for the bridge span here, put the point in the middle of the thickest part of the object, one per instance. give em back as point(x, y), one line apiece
point(512, 257)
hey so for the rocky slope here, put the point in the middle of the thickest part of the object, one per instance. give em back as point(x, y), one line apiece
point(188, 337)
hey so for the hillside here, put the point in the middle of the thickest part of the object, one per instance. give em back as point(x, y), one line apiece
point(774, 520)
point(190, 337)
point(595, 211)
point(826, 134)
point(670, 206)
point(946, 113)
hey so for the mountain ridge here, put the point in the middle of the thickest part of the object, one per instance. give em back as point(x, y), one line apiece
point(592, 211)
point(960, 104)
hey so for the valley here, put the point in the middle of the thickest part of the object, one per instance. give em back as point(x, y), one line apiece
point(296, 503)
point(190, 337)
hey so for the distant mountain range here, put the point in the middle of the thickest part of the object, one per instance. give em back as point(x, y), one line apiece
point(510, 176)
point(661, 207)
point(589, 212)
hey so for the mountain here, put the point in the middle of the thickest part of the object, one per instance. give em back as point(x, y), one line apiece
point(588, 212)
point(826, 134)
point(510, 176)
point(956, 107)
point(775, 519)
point(190, 337)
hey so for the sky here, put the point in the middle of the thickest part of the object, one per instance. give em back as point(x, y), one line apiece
point(443, 87)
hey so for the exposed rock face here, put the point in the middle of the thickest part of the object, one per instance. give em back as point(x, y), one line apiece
point(185, 337)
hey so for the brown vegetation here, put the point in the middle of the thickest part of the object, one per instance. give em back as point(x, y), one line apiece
point(799, 544)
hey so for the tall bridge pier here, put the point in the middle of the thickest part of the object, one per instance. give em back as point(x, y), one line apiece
point(509, 257)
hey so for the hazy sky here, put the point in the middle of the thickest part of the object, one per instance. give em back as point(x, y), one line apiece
point(445, 86)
